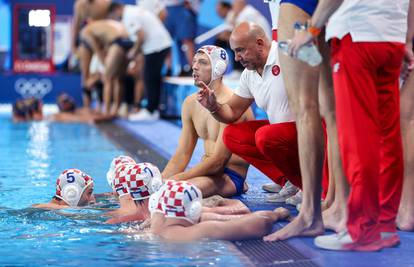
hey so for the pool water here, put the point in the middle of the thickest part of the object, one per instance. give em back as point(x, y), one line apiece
point(32, 155)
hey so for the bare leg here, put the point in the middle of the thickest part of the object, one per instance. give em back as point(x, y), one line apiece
point(335, 216)
point(209, 186)
point(115, 66)
point(85, 57)
point(405, 219)
point(301, 83)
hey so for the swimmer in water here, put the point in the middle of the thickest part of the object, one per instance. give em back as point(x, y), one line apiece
point(74, 188)
point(177, 216)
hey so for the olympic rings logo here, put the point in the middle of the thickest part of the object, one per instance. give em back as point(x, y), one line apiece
point(33, 87)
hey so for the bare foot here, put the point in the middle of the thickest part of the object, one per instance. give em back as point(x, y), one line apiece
point(325, 205)
point(298, 227)
point(283, 214)
point(405, 222)
point(335, 218)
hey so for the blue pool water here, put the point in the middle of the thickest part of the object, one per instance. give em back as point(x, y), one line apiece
point(31, 157)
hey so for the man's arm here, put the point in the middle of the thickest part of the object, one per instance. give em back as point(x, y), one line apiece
point(249, 226)
point(227, 112)
point(136, 49)
point(88, 36)
point(323, 12)
point(186, 143)
point(211, 166)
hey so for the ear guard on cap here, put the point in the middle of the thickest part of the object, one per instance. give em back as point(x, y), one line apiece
point(115, 163)
point(218, 58)
point(139, 180)
point(71, 195)
point(70, 186)
point(181, 200)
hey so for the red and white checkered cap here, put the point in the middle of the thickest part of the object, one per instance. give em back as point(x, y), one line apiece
point(180, 199)
point(115, 163)
point(139, 180)
point(71, 184)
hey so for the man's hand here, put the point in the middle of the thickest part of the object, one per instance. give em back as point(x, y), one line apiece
point(300, 39)
point(207, 98)
point(409, 55)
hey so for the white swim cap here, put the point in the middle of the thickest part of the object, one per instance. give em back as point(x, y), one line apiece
point(139, 180)
point(181, 200)
point(116, 162)
point(70, 186)
point(218, 58)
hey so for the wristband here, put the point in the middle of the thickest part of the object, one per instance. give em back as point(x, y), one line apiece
point(314, 31)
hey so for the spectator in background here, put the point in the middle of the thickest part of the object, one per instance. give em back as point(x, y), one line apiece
point(152, 39)
point(240, 12)
point(181, 23)
point(155, 6)
point(83, 12)
point(109, 40)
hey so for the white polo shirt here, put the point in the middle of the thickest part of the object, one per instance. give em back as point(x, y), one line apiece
point(370, 21)
point(156, 36)
point(267, 90)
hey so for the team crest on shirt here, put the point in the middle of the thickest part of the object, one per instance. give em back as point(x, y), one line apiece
point(275, 70)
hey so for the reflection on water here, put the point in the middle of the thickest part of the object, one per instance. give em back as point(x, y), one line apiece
point(31, 157)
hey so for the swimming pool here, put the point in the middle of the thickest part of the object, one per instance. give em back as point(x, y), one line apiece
point(31, 157)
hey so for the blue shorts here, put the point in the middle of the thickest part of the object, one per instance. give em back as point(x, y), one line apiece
point(181, 22)
point(308, 6)
point(237, 179)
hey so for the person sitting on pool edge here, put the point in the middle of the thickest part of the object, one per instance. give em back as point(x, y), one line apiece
point(74, 188)
point(220, 172)
point(135, 183)
point(176, 216)
point(69, 112)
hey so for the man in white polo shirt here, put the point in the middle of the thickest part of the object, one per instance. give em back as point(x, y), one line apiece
point(270, 145)
point(153, 40)
point(367, 39)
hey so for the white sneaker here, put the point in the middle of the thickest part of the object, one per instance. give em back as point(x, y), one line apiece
point(343, 241)
point(295, 199)
point(287, 191)
point(271, 187)
point(144, 115)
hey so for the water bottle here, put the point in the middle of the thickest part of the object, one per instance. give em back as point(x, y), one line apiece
point(307, 53)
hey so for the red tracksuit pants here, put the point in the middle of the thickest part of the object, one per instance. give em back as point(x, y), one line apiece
point(365, 76)
point(271, 148)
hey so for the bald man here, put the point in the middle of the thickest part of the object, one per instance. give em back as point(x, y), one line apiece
point(270, 145)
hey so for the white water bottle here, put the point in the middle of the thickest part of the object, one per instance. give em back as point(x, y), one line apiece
point(308, 53)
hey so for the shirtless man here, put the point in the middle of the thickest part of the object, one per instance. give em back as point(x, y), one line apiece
point(73, 189)
point(108, 39)
point(219, 172)
point(177, 216)
point(84, 10)
point(68, 112)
